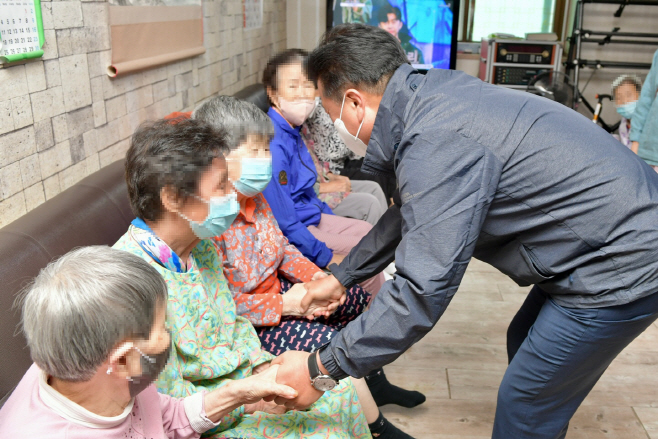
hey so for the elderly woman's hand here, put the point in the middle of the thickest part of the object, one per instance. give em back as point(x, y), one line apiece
point(262, 386)
point(247, 392)
point(270, 407)
point(260, 368)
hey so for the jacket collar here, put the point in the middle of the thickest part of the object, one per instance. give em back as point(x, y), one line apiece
point(389, 123)
point(281, 123)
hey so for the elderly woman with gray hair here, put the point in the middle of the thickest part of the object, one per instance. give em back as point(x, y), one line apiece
point(95, 325)
point(179, 190)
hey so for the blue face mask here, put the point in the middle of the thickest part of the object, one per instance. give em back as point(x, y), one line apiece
point(627, 110)
point(221, 213)
point(255, 176)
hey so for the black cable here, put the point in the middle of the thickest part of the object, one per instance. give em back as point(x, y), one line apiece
point(621, 9)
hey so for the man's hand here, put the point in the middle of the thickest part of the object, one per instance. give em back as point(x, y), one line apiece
point(248, 392)
point(635, 147)
point(327, 289)
point(293, 372)
point(319, 275)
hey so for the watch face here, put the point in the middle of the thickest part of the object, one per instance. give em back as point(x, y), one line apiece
point(324, 383)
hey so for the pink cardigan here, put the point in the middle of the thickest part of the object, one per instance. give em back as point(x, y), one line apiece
point(154, 415)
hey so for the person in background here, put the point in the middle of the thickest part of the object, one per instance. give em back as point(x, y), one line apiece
point(304, 219)
point(94, 321)
point(644, 129)
point(179, 190)
point(390, 19)
point(334, 156)
point(266, 274)
point(356, 12)
point(625, 92)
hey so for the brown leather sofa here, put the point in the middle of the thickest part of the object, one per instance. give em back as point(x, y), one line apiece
point(95, 211)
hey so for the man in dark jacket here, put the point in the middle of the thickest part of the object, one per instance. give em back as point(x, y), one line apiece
point(513, 179)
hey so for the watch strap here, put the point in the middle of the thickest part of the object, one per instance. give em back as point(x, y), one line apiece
point(313, 368)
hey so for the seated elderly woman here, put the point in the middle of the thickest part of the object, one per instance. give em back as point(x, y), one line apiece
point(95, 325)
point(260, 264)
point(178, 188)
point(305, 220)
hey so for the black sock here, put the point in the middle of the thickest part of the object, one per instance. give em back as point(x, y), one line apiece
point(384, 392)
point(383, 429)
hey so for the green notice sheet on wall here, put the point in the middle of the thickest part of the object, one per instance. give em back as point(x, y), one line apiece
point(21, 30)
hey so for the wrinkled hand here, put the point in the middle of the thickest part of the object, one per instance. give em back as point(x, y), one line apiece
point(293, 372)
point(292, 301)
point(265, 406)
point(262, 386)
point(310, 308)
point(334, 186)
point(321, 291)
point(346, 184)
point(260, 368)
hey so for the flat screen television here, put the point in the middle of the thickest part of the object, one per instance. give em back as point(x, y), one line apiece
point(426, 29)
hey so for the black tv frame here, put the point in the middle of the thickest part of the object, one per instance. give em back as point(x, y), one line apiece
point(455, 27)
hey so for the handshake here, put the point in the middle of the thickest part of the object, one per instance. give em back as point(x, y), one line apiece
point(318, 298)
point(285, 383)
point(279, 386)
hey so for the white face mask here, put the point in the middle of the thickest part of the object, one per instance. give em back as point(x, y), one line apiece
point(296, 112)
point(354, 144)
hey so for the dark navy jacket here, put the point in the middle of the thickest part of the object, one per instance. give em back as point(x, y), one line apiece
point(290, 194)
point(513, 179)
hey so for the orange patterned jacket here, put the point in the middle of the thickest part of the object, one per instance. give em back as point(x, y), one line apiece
point(255, 253)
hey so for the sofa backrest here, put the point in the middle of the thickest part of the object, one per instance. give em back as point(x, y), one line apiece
point(256, 95)
point(95, 211)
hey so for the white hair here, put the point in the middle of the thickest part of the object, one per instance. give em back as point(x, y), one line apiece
point(626, 79)
point(237, 117)
point(84, 303)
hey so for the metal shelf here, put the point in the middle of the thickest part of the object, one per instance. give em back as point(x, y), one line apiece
point(579, 36)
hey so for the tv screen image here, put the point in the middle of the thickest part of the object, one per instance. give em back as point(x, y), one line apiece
point(426, 29)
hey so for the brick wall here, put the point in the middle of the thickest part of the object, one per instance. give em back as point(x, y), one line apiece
point(62, 117)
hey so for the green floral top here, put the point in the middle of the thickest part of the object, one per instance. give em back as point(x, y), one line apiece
point(212, 345)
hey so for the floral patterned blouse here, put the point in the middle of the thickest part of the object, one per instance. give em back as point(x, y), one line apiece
point(213, 345)
point(255, 252)
point(320, 134)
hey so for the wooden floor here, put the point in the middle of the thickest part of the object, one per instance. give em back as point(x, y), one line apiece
point(460, 364)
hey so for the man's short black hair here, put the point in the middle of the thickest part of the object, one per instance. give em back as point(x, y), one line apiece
point(355, 55)
point(289, 56)
point(382, 14)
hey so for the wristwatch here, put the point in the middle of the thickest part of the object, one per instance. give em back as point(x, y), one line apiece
point(321, 382)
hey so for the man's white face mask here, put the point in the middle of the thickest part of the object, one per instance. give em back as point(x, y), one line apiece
point(354, 144)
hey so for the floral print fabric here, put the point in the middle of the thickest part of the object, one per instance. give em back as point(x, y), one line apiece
point(254, 254)
point(320, 134)
point(214, 345)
